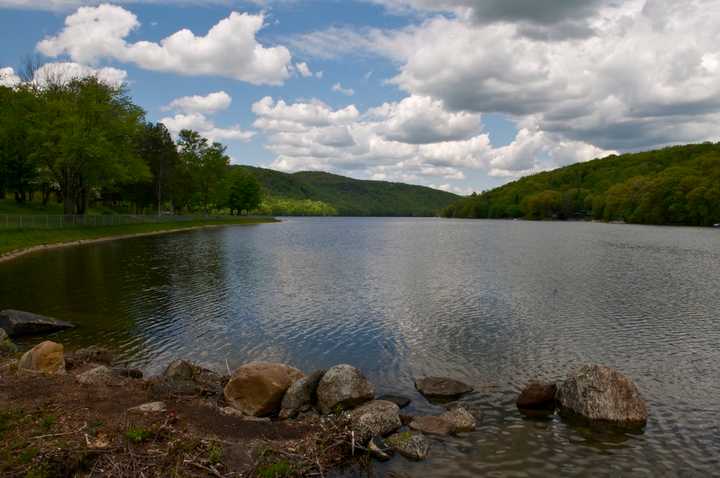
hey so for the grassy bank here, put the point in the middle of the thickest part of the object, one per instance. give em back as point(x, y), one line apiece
point(16, 240)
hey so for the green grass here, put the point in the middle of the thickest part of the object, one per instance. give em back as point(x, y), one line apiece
point(279, 469)
point(35, 207)
point(138, 435)
point(18, 239)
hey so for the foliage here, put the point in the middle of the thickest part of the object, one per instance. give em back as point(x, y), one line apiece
point(244, 192)
point(289, 195)
point(138, 434)
point(675, 185)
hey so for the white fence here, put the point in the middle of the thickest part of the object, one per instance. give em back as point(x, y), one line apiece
point(40, 221)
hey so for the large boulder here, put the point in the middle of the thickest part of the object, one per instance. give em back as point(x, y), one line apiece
point(376, 418)
point(442, 388)
point(602, 394)
point(537, 396)
point(257, 389)
point(183, 378)
point(6, 345)
point(432, 425)
point(17, 323)
point(301, 395)
point(411, 445)
point(345, 387)
point(46, 357)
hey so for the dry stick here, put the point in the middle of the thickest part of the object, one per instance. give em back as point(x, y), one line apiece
point(60, 434)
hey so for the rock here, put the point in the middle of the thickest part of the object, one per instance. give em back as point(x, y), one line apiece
point(301, 395)
point(442, 388)
point(46, 357)
point(17, 323)
point(93, 354)
point(411, 445)
point(6, 345)
point(376, 418)
point(398, 400)
point(151, 407)
point(460, 420)
point(345, 387)
point(179, 370)
point(128, 372)
point(431, 425)
point(257, 389)
point(537, 396)
point(406, 419)
point(602, 394)
point(95, 376)
point(379, 449)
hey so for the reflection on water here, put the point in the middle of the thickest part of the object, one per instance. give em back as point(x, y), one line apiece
point(494, 303)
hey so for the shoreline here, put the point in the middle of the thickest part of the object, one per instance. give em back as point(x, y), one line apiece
point(17, 253)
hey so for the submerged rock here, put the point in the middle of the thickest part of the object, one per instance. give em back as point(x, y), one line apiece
point(411, 445)
point(602, 394)
point(46, 357)
point(460, 420)
point(442, 388)
point(432, 425)
point(257, 389)
point(179, 370)
point(398, 400)
point(343, 387)
point(301, 395)
point(537, 396)
point(17, 323)
point(376, 418)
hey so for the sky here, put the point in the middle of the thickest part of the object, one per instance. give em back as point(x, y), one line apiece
point(461, 95)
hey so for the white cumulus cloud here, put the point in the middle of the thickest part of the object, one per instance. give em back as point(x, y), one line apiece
point(229, 49)
point(210, 103)
point(337, 87)
point(8, 77)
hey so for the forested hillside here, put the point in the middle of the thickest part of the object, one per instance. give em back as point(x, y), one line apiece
point(675, 185)
point(329, 194)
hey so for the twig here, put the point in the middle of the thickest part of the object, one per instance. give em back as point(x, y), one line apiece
point(59, 434)
point(228, 367)
point(209, 470)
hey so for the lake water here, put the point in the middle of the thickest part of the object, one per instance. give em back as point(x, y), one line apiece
point(495, 303)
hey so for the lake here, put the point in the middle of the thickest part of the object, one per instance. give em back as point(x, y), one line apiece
point(494, 303)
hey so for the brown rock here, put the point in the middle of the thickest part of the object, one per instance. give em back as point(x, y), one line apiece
point(537, 396)
point(93, 354)
point(257, 389)
point(460, 420)
point(602, 394)
point(46, 357)
point(432, 425)
point(442, 387)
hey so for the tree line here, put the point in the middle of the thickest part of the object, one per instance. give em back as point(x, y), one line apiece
point(84, 142)
point(675, 185)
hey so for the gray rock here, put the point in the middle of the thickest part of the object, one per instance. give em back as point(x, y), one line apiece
point(344, 387)
point(431, 425)
point(301, 395)
point(93, 354)
point(398, 400)
point(151, 407)
point(411, 445)
point(17, 323)
point(379, 449)
point(460, 420)
point(179, 370)
point(442, 388)
point(128, 372)
point(95, 376)
point(602, 394)
point(182, 378)
point(6, 345)
point(376, 418)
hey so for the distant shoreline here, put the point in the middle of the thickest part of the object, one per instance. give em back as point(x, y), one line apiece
point(71, 242)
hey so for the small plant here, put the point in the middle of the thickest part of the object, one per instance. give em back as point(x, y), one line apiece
point(47, 422)
point(279, 469)
point(27, 455)
point(138, 434)
point(215, 453)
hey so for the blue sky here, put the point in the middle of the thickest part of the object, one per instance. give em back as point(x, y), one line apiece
point(458, 94)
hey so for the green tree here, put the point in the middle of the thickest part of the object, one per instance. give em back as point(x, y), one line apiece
point(205, 163)
point(157, 148)
point(245, 193)
point(18, 165)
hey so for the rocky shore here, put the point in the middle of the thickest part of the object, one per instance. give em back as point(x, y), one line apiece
point(81, 414)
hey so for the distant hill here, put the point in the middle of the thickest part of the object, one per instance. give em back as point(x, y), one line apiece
point(322, 193)
point(675, 185)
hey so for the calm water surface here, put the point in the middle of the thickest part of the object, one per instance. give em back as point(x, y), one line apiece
point(495, 303)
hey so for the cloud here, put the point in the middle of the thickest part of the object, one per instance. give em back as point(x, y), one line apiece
point(8, 77)
point(229, 48)
point(63, 72)
point(303, 69)
point(211, 103)
point(64, 5)
point(337, 87)
point(200, 123)
point(412, 140)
